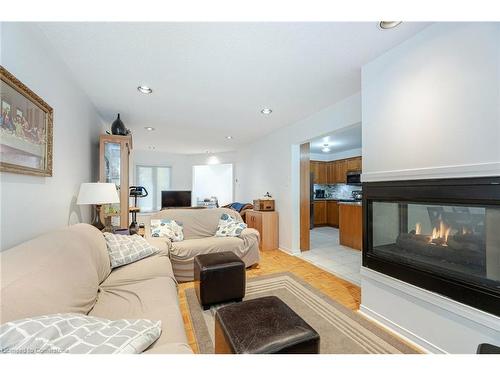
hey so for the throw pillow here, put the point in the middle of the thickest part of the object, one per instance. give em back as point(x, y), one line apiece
point(167, 228)
point(229, 227)
point(77, 334)
point(127, 249)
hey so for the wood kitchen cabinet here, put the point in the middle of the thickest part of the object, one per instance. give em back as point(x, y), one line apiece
point(354, 164)
point(266, 223)
point(350, 225)
point(319, 171)
point(332, 213)
point(340, 171)
point(330, 172)
point(320, 213)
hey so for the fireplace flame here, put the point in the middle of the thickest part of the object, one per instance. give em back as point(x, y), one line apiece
point(441, 232)
point(418, 228)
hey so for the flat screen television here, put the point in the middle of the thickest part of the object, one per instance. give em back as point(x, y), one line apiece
point(175, 198)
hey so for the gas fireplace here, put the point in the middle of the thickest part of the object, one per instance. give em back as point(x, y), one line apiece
point(441, 235)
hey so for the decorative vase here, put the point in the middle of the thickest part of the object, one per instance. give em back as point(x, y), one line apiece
point(117, 127)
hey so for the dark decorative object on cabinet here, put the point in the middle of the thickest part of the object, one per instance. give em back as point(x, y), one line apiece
point(118, 128)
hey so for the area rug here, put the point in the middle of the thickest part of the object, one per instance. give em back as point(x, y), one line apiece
point(342, 331)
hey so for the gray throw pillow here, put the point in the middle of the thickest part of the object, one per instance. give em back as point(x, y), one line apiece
point(77, 334)
point(127, 249)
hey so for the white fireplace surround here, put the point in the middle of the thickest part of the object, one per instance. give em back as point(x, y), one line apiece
point(435, 323)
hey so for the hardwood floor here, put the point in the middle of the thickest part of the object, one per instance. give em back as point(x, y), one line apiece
point(274, 261)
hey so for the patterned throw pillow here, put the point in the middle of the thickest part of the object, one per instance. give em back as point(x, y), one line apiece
point(167, 228)
point(228, 227)
point(77, 334)
point(127, 249)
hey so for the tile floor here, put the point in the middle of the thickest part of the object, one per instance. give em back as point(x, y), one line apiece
point(328, 254)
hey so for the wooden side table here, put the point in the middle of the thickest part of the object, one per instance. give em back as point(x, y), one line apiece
point(266, 223)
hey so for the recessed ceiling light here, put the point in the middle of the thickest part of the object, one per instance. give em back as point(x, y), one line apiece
point(149, 128)
point(266, 111)
point(325, 148)
point(229, 137)
point(145, 89)
point(386, 25)
point(151, 147)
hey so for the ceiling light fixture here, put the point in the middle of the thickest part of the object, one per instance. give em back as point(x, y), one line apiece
point(229, 137)
point(145, 89)
point(386, 25)
point(266, 111)
point(149, 128)
point(325, 148)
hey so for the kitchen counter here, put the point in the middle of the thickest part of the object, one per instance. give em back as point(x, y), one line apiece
point(351, 203)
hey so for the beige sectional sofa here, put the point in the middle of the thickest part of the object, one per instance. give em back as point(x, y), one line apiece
point(68, 270)
point(199, 227)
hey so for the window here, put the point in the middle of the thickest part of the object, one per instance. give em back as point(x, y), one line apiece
point(154, 179)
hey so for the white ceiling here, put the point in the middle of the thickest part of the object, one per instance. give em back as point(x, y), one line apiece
point(212, 79)
point(338, 141)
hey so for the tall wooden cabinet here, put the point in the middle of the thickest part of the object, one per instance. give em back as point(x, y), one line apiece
point(114, 153)
point(266, 223)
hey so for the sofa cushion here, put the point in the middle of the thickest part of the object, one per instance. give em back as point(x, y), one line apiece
point(170, 229)
point(196, 223)
point(77, 334)
point(157, 265)
point(154, 298)
point(190, 248)
point(58, 272)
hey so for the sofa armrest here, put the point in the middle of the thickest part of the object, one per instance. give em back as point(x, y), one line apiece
point(163, 244)
point(250, 234)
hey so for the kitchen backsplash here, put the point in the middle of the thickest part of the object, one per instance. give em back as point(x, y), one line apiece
point(337, 191)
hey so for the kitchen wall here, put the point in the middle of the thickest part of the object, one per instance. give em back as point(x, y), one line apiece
point(431, 109)
point(32, 205)
point(271, 164)
point(338, 191)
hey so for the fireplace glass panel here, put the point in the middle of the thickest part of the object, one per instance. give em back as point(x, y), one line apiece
point(454, 240)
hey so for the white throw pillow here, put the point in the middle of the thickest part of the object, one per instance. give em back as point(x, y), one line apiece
point(229, 227)
point(78, 334)
point(127, 249)
point(167, 228)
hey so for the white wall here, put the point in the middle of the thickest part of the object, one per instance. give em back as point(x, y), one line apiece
point(431, 109)
point(431, 106)
point(181, 164)
point(215, 180)
point(271, 164)
point(32, 205)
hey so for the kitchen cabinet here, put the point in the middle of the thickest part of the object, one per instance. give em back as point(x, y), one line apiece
point(319, 171)
point(320, 213)
point(340, 171)
point(330, 172)
point(266, 223)
point(350, 225)
point(354, 164)
point(332, 213)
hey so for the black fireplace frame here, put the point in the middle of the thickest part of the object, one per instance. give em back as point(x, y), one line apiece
point(483, 191)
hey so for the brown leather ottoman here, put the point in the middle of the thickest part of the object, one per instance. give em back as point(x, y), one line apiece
point(219, 277)
point(263, 326)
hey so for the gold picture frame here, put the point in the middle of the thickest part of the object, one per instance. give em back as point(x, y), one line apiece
point(26, 129)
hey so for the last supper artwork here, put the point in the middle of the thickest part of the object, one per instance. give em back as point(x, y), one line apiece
point(25, 129)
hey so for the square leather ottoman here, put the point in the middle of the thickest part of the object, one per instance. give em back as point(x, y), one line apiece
point(219, 277)
point(264, 325)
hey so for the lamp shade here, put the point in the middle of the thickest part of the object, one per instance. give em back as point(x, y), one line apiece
point(97, 193)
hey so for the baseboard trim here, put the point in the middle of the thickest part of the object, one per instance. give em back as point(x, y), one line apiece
point(451, 171)
point(397, 330)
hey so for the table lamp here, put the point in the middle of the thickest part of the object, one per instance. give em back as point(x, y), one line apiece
point(97, 193)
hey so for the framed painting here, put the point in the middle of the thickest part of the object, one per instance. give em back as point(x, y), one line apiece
point(26, 123)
